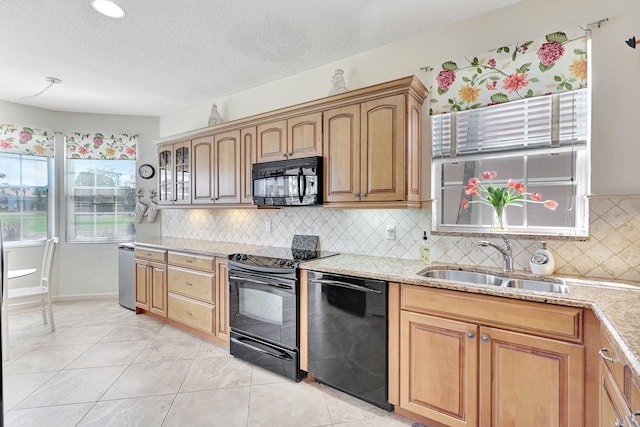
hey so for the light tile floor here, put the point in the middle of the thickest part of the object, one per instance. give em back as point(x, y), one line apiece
point(105, 366)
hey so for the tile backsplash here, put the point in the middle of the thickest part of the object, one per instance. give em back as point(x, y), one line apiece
point(613, 251)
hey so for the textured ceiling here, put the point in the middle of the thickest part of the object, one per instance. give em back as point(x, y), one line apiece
point(166, 55)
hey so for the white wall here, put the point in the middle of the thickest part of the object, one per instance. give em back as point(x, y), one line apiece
point(82, 269)
point(616, 68)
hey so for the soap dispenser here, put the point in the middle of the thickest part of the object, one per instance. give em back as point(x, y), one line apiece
point(542, 262)
point(425, 250)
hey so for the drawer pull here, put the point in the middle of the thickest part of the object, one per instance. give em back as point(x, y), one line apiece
point(605, 357)
point(148, 254)
point(188, 313)
point(188, 284)
point(188, 260)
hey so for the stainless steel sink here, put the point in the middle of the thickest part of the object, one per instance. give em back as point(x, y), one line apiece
point(478, 278)
point(465, 276)
point(537, 285)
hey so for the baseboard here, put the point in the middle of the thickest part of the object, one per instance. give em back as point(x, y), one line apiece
point(84, 296)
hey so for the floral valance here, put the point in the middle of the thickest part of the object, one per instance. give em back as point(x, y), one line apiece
point(26, 140)
point(101, 146)
point(554, 64)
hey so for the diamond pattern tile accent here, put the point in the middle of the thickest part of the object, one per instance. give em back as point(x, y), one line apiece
point(613, 251)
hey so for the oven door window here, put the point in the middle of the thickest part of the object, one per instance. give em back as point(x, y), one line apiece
point(261, 306)
point(264, 311)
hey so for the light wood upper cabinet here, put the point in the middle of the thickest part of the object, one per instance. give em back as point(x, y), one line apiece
point(370, 139)
point(272, 141)
point(289, 139)
point(248, 157)
point(382, 149)
point(216, 169)
point(174, 174)
point(226, 168)
point(372, 153)
point(342, 154)
point(202, 170)
point(304, 136)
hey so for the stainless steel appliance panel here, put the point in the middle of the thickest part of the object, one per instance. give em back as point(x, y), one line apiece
point(126, 276)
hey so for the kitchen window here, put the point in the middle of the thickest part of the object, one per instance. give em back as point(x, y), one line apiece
point(25, 197)
point(100, 187)
point(541, 142)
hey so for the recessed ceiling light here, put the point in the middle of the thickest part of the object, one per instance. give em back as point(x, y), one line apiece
point(108, 8)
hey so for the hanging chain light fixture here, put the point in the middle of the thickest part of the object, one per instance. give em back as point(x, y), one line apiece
point(52, 81)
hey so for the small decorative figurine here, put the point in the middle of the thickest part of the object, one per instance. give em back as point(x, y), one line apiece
point(337, 83)
point(214, 117)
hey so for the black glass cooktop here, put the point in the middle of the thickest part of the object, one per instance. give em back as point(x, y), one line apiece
point(275, 257)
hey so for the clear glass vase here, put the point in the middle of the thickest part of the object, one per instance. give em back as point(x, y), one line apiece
point(499, 224)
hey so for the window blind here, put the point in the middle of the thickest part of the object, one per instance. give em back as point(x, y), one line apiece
point(539, 122)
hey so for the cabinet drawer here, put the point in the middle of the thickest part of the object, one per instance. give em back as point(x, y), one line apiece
point(191, 313)
point(151, 254)
point(191, 283)
point(540, 319)
point(199, 262)
point(611, 359)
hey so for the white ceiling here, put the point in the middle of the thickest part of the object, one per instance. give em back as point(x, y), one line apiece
point(166, 55)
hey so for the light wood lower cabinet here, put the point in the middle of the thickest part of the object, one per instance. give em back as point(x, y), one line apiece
point(192, 313)
point(458, 369)
point(222, 327)
point(151, 281)
point(189, 289)
point(439, 368)
point(618, 396)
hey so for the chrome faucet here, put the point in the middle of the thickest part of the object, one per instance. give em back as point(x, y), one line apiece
point(506, 251)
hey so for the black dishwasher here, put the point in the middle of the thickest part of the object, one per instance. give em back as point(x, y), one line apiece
point(348, 335)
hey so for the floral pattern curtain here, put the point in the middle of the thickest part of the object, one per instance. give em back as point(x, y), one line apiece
point(26, 140)
point(554, 64)
point(101, 146)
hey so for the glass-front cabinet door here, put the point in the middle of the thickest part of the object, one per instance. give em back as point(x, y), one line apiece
point(174, 169)
point(166, 185)
point(183, 172)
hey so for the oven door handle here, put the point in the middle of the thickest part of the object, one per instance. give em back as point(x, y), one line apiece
point(240, 341)
point(260, 282)
point(346, 285)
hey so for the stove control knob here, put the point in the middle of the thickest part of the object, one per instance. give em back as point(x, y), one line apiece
point(281, 262)
point(290, 263)
point(244, 257)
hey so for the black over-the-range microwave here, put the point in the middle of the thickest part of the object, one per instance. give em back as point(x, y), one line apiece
point(295, 182)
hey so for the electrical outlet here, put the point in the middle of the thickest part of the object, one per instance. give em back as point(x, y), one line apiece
point(267, 226)
point(391, 232)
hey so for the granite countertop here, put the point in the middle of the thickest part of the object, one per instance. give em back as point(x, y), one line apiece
point(616, 304)
point(199, 247)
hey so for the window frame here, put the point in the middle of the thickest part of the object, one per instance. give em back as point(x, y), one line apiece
point(444, 150)
point(51, 201)
point(69, 205)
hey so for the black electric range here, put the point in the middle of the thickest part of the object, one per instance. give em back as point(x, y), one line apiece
point(263, 307)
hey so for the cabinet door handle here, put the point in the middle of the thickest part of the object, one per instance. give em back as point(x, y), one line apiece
point(355, 194)
point(618, 423)
point(363, 194)
point(485, 338)
point(602, 352)
point(188, 313)
point(284, 154)
point(634, 420)
point(188, 283)
point(471, 335)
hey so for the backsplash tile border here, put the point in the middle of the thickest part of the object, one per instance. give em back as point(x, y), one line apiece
point(612, 252)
